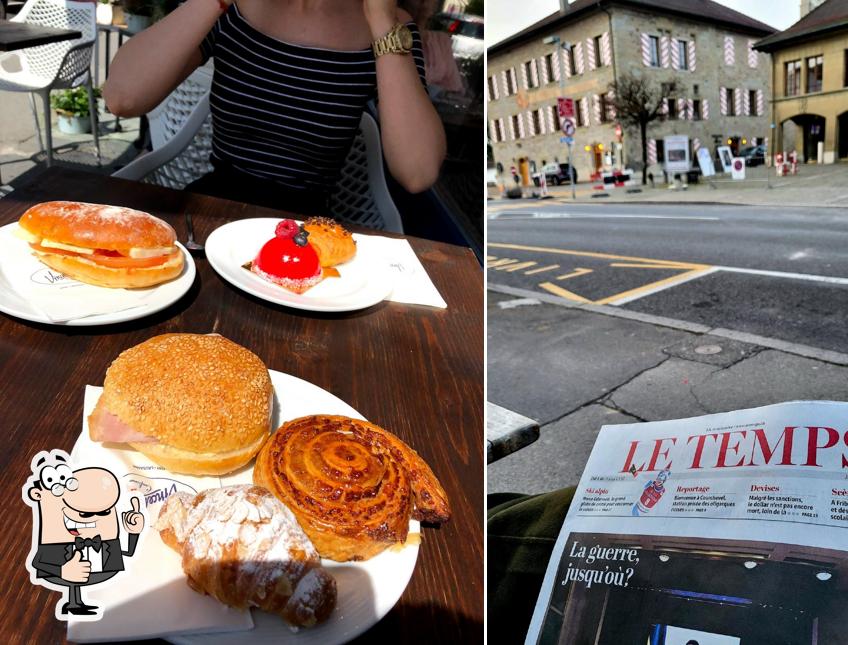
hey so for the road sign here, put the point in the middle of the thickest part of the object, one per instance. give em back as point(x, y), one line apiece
point(568, 126)
point(618, 131)
point(565, 108)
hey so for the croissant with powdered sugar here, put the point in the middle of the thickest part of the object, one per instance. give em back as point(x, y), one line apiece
point(242, 546)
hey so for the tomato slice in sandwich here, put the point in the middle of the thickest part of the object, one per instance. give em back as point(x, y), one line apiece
point(113, 259)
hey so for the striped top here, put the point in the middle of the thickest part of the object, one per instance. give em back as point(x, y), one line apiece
point(287, 112)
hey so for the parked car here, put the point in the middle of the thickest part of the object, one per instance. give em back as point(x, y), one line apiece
point(754, 156)
point(555, 174)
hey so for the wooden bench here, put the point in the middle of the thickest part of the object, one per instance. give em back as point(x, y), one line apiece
point(507, 431)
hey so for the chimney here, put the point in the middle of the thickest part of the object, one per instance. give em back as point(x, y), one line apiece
point(808, 5)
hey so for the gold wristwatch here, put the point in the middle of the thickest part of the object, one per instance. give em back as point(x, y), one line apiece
point(397, 41)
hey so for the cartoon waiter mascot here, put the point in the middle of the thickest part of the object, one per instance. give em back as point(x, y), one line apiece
point(75, 529)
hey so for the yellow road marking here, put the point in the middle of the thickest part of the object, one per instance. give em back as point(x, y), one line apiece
point(574, 274)
point(517, 267)
point(604, 256)
point(550, 267)
point(656, 265)
point(681, 277)
point(500, 263)
point(563, 293)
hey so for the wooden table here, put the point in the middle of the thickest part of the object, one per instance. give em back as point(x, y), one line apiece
point(507, 431)
point(19, 35)
point(417, 371)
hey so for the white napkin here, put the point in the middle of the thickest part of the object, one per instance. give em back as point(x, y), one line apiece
point(151, 597)
point(54, 295)
point(412, 284)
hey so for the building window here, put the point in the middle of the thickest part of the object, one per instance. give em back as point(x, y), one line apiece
point(671, 104)
point(730, 95)
point(528, 72)
point(549, 67)
point(516, 130)
point(814, 74)
point(793, 78)
point(510, 82)
point(696, 110)
point(572, 67)
point(599, 59)
point(654, 50)
point(491, 87)
point(752, 102)
point(683, 54)
point(537, 122)
point(499, 134)
point(579, 113)
point(660, 150)
point(606, 108)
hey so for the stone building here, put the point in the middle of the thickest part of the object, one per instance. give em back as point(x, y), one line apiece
point(723, 84)
point(810, 92)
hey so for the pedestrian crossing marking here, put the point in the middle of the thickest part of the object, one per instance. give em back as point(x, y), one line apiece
point(550, 267)
point(574, 274)
point(518, 267)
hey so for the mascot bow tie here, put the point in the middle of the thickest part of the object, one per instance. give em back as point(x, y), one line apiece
point(80, 543)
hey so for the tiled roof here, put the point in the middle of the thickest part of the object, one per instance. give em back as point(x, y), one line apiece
point(700, 10)
point(826, 18)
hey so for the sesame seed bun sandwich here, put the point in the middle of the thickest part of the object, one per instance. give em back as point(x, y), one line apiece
point(192, 403)
point(107, 246)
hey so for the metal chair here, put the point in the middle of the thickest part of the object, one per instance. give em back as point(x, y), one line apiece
point(181, 135)
point(62, 65)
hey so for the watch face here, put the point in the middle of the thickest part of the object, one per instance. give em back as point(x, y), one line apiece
point(405, 37)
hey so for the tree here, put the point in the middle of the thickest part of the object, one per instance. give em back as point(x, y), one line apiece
point(638, 103)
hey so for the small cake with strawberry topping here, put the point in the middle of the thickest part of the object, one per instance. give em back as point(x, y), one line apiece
point(288, 259)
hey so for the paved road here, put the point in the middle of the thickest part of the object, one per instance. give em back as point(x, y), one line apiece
point(776, 272)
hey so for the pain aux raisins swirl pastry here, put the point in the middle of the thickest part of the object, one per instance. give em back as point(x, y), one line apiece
point(351, 484)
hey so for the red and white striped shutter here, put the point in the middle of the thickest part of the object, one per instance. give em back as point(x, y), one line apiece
point(495, 87)
point(522, 133)
point(514, 78)
point(681, 107)
point(524, 76)
point(611, 107)
point(652, 151)
point(568, 68)
point(531, 129)
point(534, 72)
point(543, 73)
point(512, 131)
point(729, 51)
point(722, 100)
point(493, 131)
point(503, 129)
point(664, 47)
point(705, 109)
point(541, 121)
point(578, 57)
point(505, 82)
point(590, 54)
point(738, 98)
point(746, 103)
point(664, 109)
point(675, 55)
point(753, 59)
point(761, 107)
point(549, 117)
point(691, 46)
point(585, 103)
point(556, 65)
point(596, 107)
point(606, 49)
point(696, 143)
point(646, 49)
point(690, 109)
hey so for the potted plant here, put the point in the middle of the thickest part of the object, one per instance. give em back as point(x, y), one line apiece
point(140, 14)
point(72, 108)
point(104, 12)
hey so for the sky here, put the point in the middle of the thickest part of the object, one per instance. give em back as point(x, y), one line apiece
point(502, 18)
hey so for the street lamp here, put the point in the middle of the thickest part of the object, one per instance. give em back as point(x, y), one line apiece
point(561, 47)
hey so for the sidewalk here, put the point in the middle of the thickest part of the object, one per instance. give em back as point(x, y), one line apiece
point(813, 186)
point(574, 369)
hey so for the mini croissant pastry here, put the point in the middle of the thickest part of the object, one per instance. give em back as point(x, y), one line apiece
point(333, 243)
point(242, 546)
point(351, 484)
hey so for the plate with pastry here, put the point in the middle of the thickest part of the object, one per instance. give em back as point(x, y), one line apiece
point(81, 264)
point(318, 535)
point(312, 265)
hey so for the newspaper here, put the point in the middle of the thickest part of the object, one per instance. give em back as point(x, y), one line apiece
point(727, 529)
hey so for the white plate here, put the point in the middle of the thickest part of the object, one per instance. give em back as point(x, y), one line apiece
point(163, 295)
point(366, 590)
point(364, 280)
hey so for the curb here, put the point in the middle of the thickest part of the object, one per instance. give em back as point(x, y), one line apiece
point(805, 351)
point(565, 200)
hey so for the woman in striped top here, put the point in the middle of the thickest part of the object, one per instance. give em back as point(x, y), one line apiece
point(292, 78)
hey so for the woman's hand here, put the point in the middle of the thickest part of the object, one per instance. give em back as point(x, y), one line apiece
point(381, 16)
